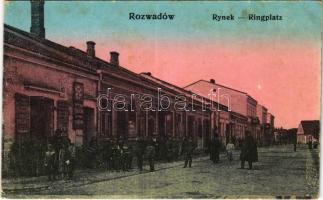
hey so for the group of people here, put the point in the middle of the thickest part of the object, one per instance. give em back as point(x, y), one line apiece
point(118, 154)
point(60, 157)
point(186, 148)
point(248, 147)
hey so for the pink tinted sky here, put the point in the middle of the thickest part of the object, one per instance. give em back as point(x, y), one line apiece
point(282, 75)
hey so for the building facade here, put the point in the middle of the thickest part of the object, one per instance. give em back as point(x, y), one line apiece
point(50, 88)
point(239, 103)
point(262, 116)
point(308, 130)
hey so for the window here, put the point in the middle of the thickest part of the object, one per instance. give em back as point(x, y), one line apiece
point(106, 123)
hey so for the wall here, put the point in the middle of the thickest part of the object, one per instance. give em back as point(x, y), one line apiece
point(28, 74)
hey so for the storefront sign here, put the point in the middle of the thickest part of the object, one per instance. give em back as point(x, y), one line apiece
point(78, 98)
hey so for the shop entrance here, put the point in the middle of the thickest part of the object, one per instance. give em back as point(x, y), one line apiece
point(41, 117)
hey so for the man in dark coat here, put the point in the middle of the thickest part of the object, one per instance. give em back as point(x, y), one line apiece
point(126, 154)
point(249, 151)
point(50, 162)
point(169, 149)
point(72, 159)
point(216, 149)
point(295, 143)
point(151, 153)
point(140, 150)
point(116, 155)
point(175, 148)
point(211, 150)
point(188, 148)
point(107, 154)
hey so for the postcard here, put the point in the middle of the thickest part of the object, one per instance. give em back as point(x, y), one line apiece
point(161, 99)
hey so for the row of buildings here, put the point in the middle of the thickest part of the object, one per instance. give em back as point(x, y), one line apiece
point(48, 86)
point(307, 131)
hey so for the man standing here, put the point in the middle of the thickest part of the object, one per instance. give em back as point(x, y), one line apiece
point(116, 156)
point(151, 153)
point(249, 151)
point(108, 154)
point(50, 162)
point(140, 149)
point(216, 148)
point(230, 148)
point(188, 151)
point(72, 159)
point(169, 149)
point(211, 150)
point(125, 156)
point(295, 142)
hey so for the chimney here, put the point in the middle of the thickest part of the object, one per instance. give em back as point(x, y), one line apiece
point(90, 49)
point(114, 58)
point(37, 18)
point(212, 81)
point(147, 73)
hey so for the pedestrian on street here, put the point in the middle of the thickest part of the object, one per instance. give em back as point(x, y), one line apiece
point(140, 150)
point(188, 148)
point(216, 148)
point(175, 148)
point(50, 162)
point(116, 156)
point(249, 151)
point(229, 149)
point(66, 161)
point(130, 158)
point(91, 153)
point(151, 153)
point(295, 143)
point(71, 160)
point(310, 144)
point(211, 150)
point(62, 157)
point(108, 154)
point(169, 149)
point(56, 142)
point(125, 157)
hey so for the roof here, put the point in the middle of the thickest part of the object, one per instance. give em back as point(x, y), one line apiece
point(178, 89)
point(311, 127)
point(215, 84)
point(262, 107)
point(69, 55)
point(238, 115)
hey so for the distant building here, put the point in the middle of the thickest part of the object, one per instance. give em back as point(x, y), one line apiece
point(237, 101)
point(269, 135)
point(308, 130)
point(262, 116)
point(270, 120)
point(199, 124)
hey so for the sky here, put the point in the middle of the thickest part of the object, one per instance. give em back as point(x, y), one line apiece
point(277, 62)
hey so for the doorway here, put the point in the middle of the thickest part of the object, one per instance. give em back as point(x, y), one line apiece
point(41, 117)
point(122, 124)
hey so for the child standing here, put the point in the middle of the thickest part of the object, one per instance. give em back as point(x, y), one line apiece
point(230, 148)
